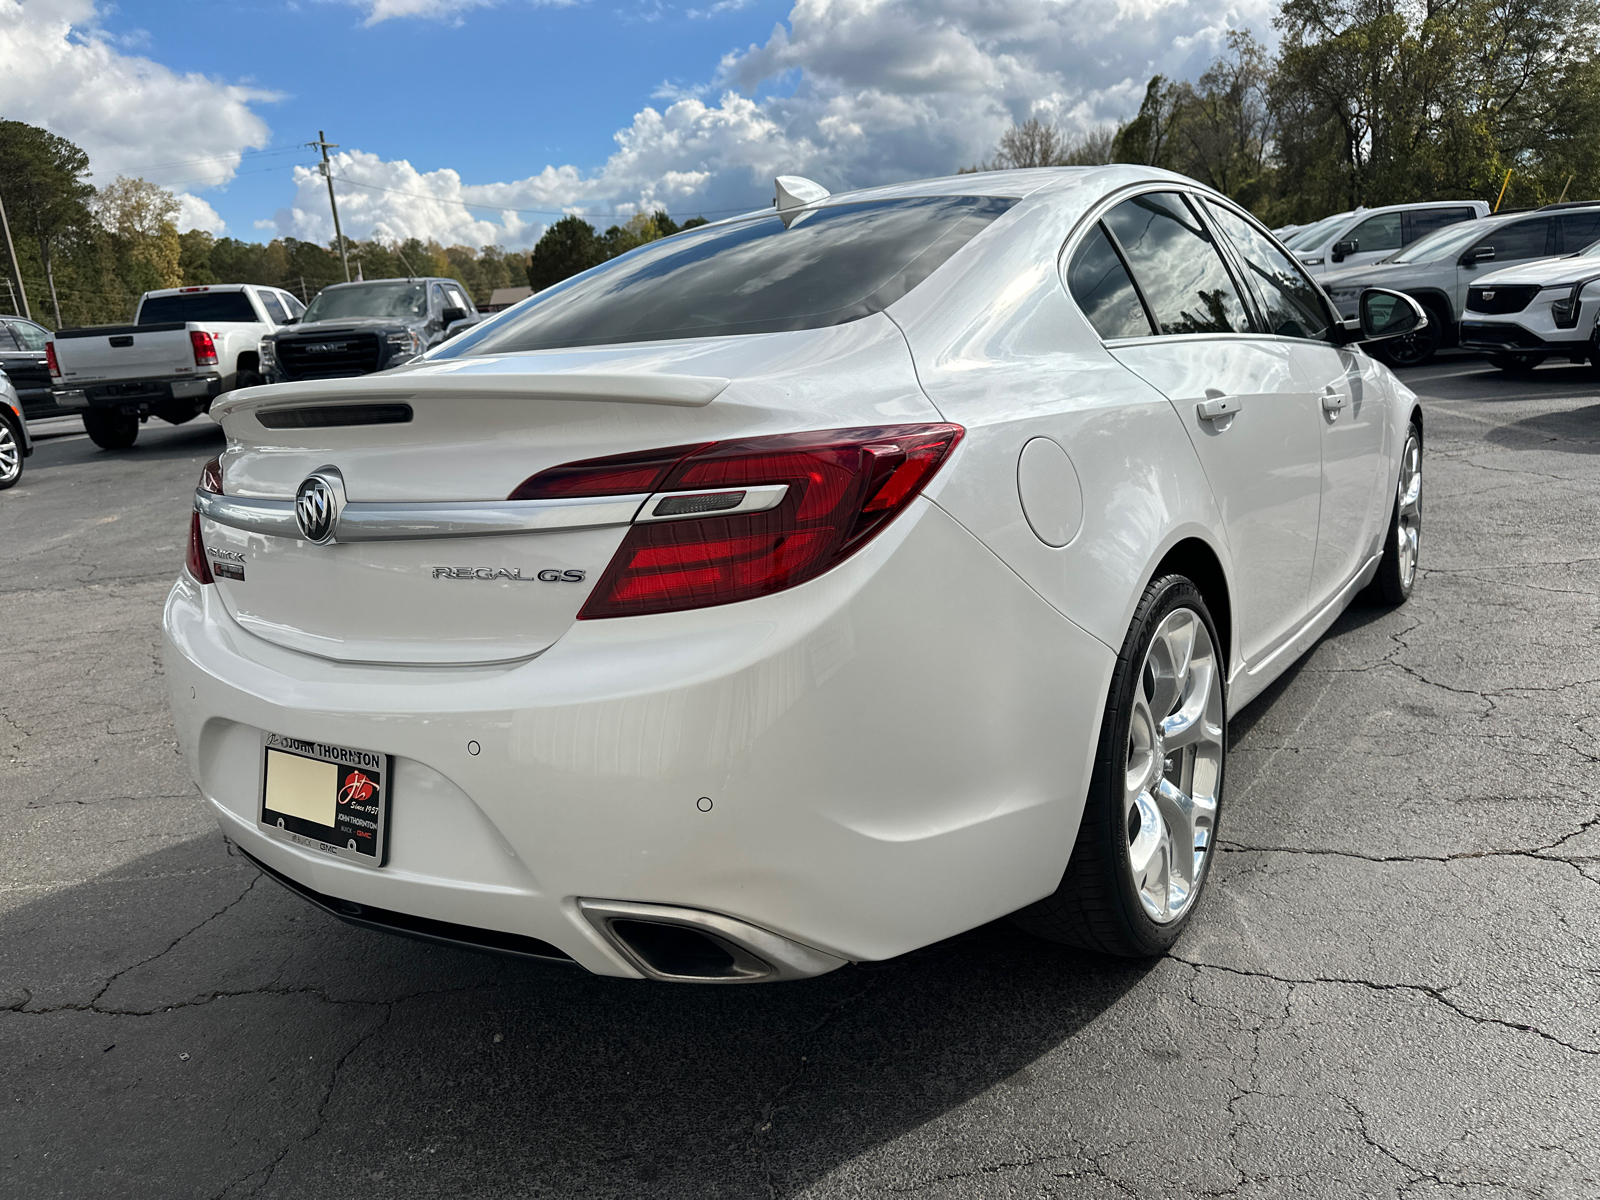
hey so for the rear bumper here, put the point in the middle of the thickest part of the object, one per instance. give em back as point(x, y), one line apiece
point(883, 757)
point(139, 395)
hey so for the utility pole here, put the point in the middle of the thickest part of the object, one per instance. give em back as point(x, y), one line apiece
point(15, 269)
point(322, 143)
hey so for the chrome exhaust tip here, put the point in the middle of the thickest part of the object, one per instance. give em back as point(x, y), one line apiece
point(690, 945)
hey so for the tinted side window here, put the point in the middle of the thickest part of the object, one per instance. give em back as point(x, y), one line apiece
point(1578, 230)
point(32, 337)
point(1099, 283)
point(1291, 302)
point(1422, 222)
point(1376, 233)
point(1178, 269)
point(457, 300)
point(294, 305)
point(7, 341)
point(1520, 239)
point(273, 306)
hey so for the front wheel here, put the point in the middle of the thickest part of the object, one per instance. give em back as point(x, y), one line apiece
point(1397, 572)
point(1149, 827)
point(1415, 348)
point(110, 430)
point(10, 454)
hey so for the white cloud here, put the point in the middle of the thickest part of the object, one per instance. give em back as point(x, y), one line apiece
point(850, 92)
point(437, 10)
point(130, 114)
point(195, 213)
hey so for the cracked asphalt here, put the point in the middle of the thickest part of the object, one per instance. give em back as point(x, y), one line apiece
point(1392, 989)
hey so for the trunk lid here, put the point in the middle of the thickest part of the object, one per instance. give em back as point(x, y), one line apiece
point(477, 428)
point(120, 352)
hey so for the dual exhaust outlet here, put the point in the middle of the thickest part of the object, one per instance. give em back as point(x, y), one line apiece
point(690, 945)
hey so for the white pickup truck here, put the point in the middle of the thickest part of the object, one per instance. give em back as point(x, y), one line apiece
point(186, 346)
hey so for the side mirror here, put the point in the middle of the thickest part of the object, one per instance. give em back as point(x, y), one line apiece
point(456, 327)
point(1385, 314)
point(1348, 246)
point(1477, 255)
point(451, 315)
point(291, 320)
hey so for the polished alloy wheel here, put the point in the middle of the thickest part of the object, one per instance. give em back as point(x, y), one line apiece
point(10, 454)
point(1174, 766)
point(1408, 525)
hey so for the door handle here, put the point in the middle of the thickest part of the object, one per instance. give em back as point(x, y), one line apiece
point(1333, 400)
point(1214, 407)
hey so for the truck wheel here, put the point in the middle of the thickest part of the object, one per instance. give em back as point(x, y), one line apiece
point(10, 454)
point(110, 430)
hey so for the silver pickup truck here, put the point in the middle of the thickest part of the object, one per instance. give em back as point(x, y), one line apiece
point(186, 346)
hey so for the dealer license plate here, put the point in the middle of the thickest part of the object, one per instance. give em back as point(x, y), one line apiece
point(328, 798)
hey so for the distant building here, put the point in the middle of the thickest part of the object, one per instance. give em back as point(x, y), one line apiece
point(503, 298)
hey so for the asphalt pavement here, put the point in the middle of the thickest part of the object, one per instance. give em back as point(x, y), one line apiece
point(1392, 988)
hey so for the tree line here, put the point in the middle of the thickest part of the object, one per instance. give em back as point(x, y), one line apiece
point(1370, 102)
point(1366, 102)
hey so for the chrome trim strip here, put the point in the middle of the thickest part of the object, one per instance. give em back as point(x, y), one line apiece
point(756, 499)
point(377, 522)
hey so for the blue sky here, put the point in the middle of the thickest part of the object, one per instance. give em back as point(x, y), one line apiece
point(579, 105)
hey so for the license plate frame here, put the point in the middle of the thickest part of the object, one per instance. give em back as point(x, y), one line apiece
point(314, 779)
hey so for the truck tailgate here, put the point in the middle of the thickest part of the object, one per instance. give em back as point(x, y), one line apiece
point(108, 353)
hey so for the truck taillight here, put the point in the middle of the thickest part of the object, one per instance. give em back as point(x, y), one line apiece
point(50, 359)
point(195, 560)
point(843, 487)
point(205, 350)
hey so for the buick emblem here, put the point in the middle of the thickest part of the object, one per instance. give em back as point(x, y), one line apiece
point(317, 502)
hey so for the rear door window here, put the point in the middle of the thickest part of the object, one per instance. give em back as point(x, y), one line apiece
point(1292, 304)
point(273, 306)
point(1578, 230)
point(1423, 221)
point(1381, 232)
point(1179, 271)
point(8, 341)
point(1519, 239)
point(32, 337)
point(1102, 287)
point(813, 269)
point(197, 306)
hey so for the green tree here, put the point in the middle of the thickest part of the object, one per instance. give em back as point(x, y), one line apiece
point(43, 183)
point(567, 247)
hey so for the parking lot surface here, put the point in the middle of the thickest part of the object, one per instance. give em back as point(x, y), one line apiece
point(1392, 989)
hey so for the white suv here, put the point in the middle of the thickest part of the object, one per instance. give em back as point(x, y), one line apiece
point(1524, 315)
point(1438, 270)
point(1368, 234)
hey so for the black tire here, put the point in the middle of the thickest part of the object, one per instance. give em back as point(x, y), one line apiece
point(1417, 348)
point(11, 456)
point(110, 430)
point(1515, 362)
point(1397, 570)
point(1097, 905)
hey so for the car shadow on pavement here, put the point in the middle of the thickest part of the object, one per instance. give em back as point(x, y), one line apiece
point(247, 1043)
point(1576, 431)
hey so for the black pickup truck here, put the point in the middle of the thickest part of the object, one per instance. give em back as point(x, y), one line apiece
point(359, 328)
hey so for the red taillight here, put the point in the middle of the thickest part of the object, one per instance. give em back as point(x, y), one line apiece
point(205, 350)
point(196, 561)
point(50, 359)
point(210, 481)
point(844, 485)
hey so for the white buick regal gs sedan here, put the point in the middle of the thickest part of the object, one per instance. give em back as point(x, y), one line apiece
point(800, 589)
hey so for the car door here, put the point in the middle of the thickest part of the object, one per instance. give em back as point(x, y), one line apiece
point(23, 357)
point(1251, 419)
point(1513, 242)
point(1351, 411)
point(1377, 237)
point(1577, 230)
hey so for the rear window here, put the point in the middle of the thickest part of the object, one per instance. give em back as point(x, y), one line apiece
point(825, 266)
point(197, 306)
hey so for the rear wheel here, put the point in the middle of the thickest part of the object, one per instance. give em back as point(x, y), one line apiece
point(1144, 846)
point(1397, 572)
point(110, 430)
point(1416, 348)
point(10, 453)
point(1515, 362)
